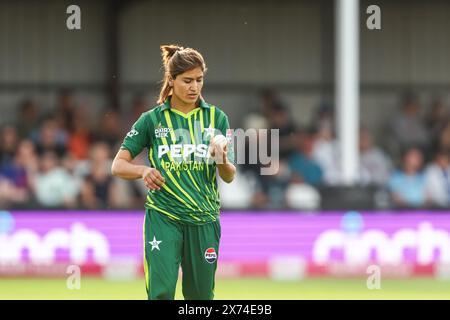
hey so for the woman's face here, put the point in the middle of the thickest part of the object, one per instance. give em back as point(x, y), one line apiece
point(187, 86)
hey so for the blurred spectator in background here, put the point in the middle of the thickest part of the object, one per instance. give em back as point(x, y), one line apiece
point(9, 140)
point(324, 117)
point(51, 138)
point(65, 110)
point(253, 124)
point(407, 185)
point(435, 120)
point(301, 162)
point(280, 118)
point(270, 193)
point(325, 152)
point(16, 176)
point(407, 127)
point(53, 185)
point(437, 176)
point(27, 118)
point(268, 97)
point(375, 164)
point(139, 106)
point(80, 135)
point(110, 130)
point(444, 138)
point(98, 190)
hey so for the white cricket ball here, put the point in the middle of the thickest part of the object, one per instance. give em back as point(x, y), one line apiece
point(220, 140)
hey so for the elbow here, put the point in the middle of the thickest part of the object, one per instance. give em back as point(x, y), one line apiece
point(230, 178)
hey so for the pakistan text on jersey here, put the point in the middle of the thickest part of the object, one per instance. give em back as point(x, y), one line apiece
point(185, 165)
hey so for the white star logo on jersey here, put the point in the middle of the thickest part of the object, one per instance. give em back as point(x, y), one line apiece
point(155, 243)
point(209, 132)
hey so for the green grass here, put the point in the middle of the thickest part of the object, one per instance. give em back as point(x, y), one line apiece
point(246, 288)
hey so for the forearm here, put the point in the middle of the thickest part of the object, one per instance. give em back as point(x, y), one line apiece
point(126, 170)
point(227, 171)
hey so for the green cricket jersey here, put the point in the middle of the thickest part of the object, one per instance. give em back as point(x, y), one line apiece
point(177, 145)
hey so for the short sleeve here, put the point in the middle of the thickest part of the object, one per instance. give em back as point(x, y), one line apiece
point(138, 138)
point(224, 127)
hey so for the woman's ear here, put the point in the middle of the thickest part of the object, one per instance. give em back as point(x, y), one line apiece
point(170, 81)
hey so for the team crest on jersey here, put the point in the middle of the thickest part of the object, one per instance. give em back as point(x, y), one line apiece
point(161, 132)
point(210, 255)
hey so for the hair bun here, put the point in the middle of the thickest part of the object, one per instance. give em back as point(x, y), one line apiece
point(168, 50)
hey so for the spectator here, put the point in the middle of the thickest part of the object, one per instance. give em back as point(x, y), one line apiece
point(28, 118)
point(98, 188)
point(15, 176)
point(65, 110)
point(325, 152)
point(407, 128)
point(375, 164)
point(280, 118)
point(139, 106)
point(407, 186)
point(437, 176)
point(53, 186)
point(110, 130)
point(80, 136)
point(51, 138)
point(444, 138)
point(436, 120)
point(324, 117)
point(9, 140)
point(271, 191)
point(301, 162)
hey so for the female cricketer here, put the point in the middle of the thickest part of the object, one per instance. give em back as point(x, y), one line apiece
point(185, 139)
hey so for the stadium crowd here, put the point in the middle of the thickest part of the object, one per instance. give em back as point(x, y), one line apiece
point(62, 159)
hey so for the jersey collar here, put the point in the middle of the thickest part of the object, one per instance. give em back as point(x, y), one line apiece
point(166, 104)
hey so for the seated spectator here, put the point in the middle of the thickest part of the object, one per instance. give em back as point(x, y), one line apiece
point(437, 176)
point(301, 161)
point(27, 118)
point(281, 119)
point(139, 106)
point(9, 139)
point(325, 152)
point(435, 120)
point(110, 130)
point(375, 164)
point(98, 188)
point(407, 127)
point(50, 138)
point(270, 194)
point(53, 186)
point(324, 116)
point(407, 186)
point(444, 138)
point(80, 136)
point(65, 110)
point(15, 176)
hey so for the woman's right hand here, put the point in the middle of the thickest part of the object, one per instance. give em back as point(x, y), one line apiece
point(152, 178)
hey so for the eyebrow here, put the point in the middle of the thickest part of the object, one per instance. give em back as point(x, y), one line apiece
point(189, 78)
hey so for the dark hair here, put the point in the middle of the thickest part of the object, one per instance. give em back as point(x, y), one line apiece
point(177, 60)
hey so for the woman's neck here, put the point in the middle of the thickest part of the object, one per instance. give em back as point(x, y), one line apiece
point(180, 105)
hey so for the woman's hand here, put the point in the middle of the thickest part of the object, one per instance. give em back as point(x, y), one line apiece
point(218, 149)
point(152, 178)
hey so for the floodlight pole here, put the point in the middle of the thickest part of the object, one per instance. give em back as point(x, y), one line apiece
point(347, 87)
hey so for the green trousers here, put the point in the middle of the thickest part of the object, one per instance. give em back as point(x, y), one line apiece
point(169, 244)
